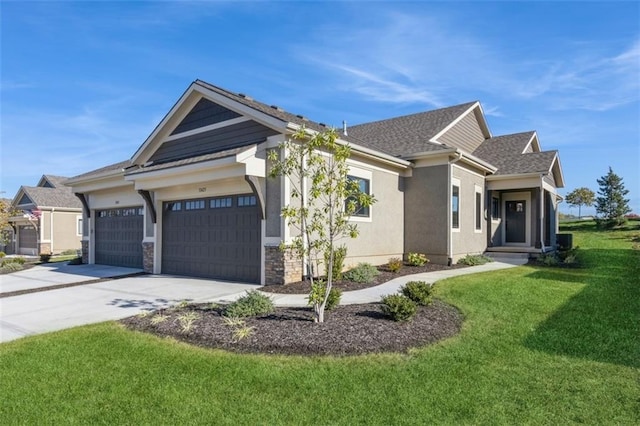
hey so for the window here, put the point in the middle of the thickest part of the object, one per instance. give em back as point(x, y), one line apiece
point(174, 207)
point(194, 205)
point(246, 200)
point(478, 210)
point(218, 203)
point(364, 187)
point(495, 208)
point(455, 207)
point(79, 225)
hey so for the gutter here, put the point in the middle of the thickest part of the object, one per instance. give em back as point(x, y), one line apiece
point(367, 152)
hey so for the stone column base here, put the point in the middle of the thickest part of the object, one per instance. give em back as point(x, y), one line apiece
point(84, 245)
point(281, 267)
point(147, 257)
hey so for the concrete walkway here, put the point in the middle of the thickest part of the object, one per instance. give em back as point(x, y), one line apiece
point(373, 294)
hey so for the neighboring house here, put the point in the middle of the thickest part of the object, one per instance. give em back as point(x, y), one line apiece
point(50, 219)
point(195, 199)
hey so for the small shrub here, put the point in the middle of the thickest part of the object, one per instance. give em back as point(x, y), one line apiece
point(399, 307)
point(2, 254)
point(45, 257)
point(363, 273)
point(339, 254)
point(159, 319)
point(18, 260)
point(252, 304)
point(69, 252)
point(395, 264)
point(242, 332)
point(548, 259)
point(474, 260)
point(233, 321)
point(183, 304)
point(418, 291)
point(187, 321)
point(75, 261)
point(417, 259)
point(318, 292)
point(11, 267)
point(570, 260)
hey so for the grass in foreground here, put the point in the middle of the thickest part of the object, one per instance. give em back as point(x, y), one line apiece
point(539, 345)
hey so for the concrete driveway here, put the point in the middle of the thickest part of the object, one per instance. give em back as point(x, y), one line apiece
point(57, 309)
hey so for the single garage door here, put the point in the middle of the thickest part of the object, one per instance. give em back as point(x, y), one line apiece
point(118, 237)
point(27, 239)
point(212, 238)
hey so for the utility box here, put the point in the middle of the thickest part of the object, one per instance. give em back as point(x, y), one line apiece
point(565, 241)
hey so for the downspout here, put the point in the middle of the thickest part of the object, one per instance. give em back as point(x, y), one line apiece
point(53, 209)
point(450, 207)
point(541, 232)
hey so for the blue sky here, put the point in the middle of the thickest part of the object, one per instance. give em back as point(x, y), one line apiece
point(84, 83)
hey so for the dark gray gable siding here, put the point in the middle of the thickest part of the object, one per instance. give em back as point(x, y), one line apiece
point(25, 200)
point(465, 134)
point(203, 114)
point(47, 184)
point(241, 134)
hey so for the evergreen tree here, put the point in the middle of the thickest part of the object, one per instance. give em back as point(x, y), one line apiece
point(611, 206)
point(580, 197)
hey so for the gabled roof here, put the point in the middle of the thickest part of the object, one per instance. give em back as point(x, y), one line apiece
point(508, 154)
point(409, 134)
point(54, 181)
point(45, 196)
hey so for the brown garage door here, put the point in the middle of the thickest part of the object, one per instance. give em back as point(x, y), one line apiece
point(212, 238)
point(118, 237)
point(27, 239)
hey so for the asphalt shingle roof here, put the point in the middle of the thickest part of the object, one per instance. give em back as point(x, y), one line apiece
point(111, 167)
point(506, 153)
point(52, 197)
point(409, 134)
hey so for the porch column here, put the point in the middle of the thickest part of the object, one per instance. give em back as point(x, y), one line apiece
point(539, 216)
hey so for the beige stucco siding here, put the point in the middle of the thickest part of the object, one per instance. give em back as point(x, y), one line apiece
point(382, 237)
point(65, 232)
point(467, 239)
point(465, 134)
point(425, 214)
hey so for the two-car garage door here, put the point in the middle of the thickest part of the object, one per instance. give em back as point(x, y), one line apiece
point(212, 238)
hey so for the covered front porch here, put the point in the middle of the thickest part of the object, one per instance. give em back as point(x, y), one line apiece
point(523, 215)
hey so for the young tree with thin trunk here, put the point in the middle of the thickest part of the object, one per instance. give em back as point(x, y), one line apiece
point(580, 197)
point(322, 200)
point(611, 205)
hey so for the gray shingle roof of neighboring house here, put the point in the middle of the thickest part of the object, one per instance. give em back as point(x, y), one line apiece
point(506, 153)
point(51, 197)
point(409, 134)
point(57, 181)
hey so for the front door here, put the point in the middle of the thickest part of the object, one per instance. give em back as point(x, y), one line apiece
point(516, 221)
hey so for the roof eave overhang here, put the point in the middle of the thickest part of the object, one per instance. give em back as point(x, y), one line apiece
point(366, 152)
point(516, 176)
point(463, 156)
point(236, 165)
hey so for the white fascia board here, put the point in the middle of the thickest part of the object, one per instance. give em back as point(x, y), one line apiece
point(367, 152)
point(472, 159)
point(514, 176)
point(533, 141)
point(482, 122)
point(559, 175)
point(18, 196)
point(100, 184)
point(187, 168)
point(467, 158)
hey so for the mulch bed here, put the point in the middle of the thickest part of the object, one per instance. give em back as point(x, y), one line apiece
point(304, 287)
point(347, 330)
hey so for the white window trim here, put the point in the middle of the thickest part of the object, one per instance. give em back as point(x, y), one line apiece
point(455, 182)
point(78, 226)
point(478, 190)
point(368, 175)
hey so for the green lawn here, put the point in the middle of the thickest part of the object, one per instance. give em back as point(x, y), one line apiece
point(539, 346)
